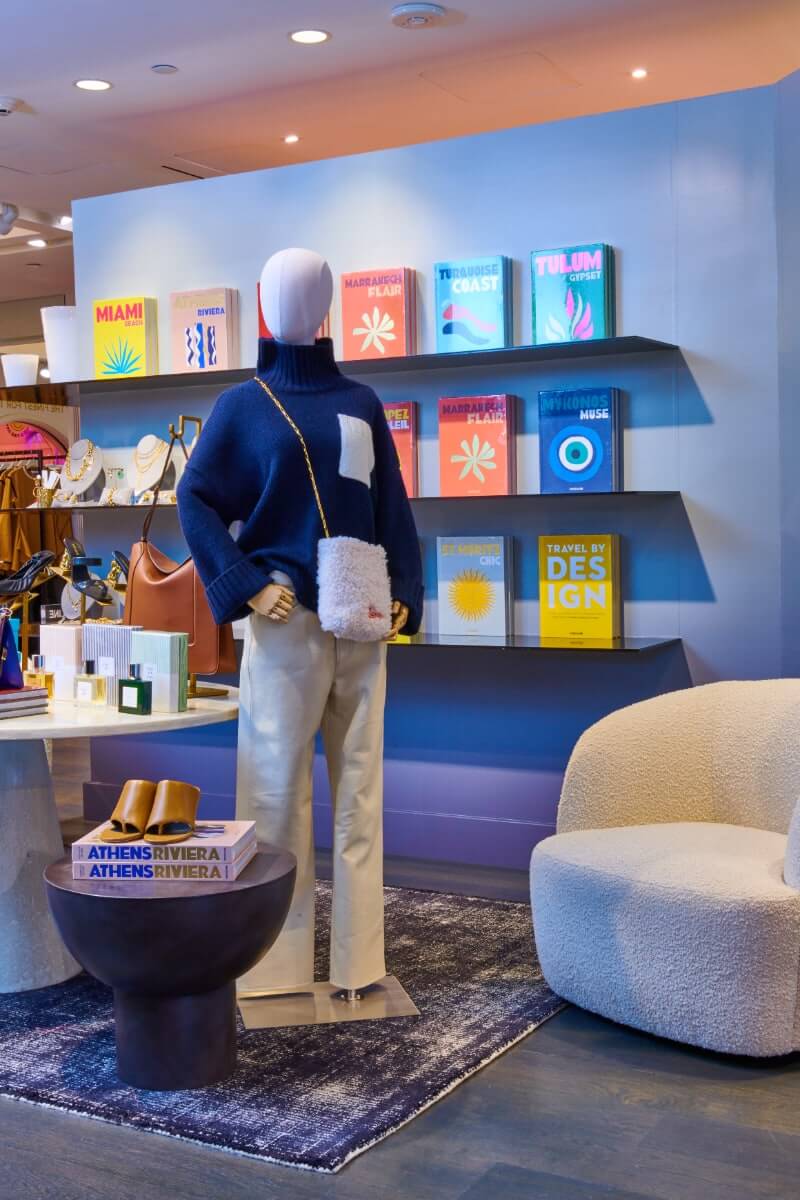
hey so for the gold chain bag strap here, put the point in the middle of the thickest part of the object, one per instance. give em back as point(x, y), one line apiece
point(355, 598)
point(169, 596)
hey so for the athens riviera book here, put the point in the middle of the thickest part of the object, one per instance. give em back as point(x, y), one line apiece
point(473, 304)
point(573, 293)
point(212, 842)
point(204, 330)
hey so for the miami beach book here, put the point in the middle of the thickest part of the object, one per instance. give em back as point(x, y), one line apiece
point(402, 421)
point(204, 330)
point(379, 313)
point(474, 577)
point(579, 587)
point(473, 304)
point(125, 337)
point(477, 445)
point(580, 441)
point(572, 292)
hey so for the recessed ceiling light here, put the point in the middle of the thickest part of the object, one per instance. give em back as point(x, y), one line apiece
point(37, 243)
point(92, 85)
point(65, 222)
point(291, 138)
point(44, 372)
point(309, 37)
point(639, 73)
point(164, 68)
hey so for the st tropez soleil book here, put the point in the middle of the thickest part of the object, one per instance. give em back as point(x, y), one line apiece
point(125, 337)
point(579, 587)
point(204, 330)
point(212, 842)
point(473, 303)
point(580, 441)
point(474, 586)
point(402, 421)
point(572, 291)
point(476, 445)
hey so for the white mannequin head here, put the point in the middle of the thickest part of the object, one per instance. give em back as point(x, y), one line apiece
point(296, 293)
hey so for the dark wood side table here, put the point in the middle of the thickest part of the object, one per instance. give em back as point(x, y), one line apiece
point(172, 952)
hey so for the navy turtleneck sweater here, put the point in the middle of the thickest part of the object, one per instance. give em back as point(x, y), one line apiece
point(248, 466)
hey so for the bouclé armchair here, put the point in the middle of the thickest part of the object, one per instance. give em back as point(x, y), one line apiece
point(668, 898)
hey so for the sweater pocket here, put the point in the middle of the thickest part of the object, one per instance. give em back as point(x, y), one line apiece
point(357, 457)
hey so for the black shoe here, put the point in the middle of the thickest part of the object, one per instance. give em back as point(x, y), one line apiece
point(35, 571)
point(80, 576)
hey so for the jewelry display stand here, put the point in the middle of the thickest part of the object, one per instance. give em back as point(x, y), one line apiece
point(146, 468)
point(83, 474)
point(325, 1004)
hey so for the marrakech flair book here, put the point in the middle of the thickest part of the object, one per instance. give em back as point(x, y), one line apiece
point(379, 313)
point(476, 445)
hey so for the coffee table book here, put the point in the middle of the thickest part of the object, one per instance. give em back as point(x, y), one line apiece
point(212, 842)
point(165, 870)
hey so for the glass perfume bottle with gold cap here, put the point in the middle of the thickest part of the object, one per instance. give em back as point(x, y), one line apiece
point(37, 676)
point(90, 688)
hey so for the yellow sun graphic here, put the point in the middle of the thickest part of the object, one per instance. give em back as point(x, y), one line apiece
point(471, 595)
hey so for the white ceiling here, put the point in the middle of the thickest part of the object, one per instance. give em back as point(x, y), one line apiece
point(242, 85)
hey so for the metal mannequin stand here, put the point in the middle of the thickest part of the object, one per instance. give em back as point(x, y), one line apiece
point(324, 1004)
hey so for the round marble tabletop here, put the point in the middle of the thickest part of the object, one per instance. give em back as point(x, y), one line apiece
point(65, 719)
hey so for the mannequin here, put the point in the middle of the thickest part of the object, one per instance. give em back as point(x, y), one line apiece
point(296, 678)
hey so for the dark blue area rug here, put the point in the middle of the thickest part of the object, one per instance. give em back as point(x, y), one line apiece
point(316, 1096)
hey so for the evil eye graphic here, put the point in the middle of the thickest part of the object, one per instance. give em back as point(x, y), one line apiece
point(576, 455)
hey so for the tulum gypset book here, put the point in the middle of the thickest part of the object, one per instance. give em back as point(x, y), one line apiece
point(379, 313)
point(218, 850)
point(579, 587)
point(474, 586)
point(125, 337)
point(476, 445)
point(572, 292)
point(204, 330)
point(402, 421)
point(473, 304)
point(580, 441)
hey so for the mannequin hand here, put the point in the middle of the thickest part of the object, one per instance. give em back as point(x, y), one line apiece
point(399, 618)
point(274, 601)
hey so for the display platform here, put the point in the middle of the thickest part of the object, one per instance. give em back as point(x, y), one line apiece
point(32, 954)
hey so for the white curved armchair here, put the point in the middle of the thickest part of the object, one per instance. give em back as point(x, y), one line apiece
point(661, 901)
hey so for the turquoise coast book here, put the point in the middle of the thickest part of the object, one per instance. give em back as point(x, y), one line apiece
point(473, 304)
point(573, 293)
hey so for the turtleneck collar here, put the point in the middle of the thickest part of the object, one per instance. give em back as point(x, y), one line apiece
point(299, 368)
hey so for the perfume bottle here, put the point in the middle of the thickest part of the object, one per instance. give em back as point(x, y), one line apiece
point(37, 677)
point(135, 694)
point(90, 688)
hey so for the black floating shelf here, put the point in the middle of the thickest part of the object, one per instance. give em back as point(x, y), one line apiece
point(624, 645)
point(513, 497)
point(510, 356)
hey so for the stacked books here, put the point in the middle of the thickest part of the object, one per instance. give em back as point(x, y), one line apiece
point(476, 445)
point(22, 702)
point(579, 588)
point(218, 851)
point(473, 304)
point(125, 337)
point(474, 586)
point(402, 421)
point(573, 293)
point(204, 330)
point(379, 313)
point(580, 441)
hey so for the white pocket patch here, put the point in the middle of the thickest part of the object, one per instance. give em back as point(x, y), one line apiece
point(357, 458)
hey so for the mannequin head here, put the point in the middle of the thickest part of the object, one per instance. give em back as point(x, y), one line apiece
point(296, 293)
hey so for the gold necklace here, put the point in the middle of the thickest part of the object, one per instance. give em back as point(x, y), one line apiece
point(86, 463)
point(143, 462)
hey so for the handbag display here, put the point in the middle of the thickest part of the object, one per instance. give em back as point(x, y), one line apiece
point(355, 598)
point(169, 596)
point(10, 669)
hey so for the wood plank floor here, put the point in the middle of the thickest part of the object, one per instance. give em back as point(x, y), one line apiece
point(581, 1110)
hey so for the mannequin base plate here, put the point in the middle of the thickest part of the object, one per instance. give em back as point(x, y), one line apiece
point(324, 1004)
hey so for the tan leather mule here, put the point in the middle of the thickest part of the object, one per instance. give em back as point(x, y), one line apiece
point(174, 812)
point(130, 816)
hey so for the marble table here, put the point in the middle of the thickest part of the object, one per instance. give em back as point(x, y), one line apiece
point(32, 955)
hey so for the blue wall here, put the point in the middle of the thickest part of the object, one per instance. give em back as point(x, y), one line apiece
point(477, 739)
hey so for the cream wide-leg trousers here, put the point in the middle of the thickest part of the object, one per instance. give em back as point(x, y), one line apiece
point(295, 680)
